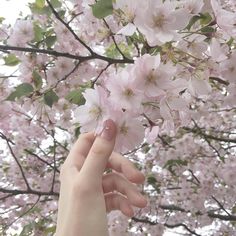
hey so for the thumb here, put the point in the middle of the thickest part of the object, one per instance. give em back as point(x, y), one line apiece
point(100, 151)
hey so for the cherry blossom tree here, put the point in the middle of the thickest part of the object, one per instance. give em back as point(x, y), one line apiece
point(163, 70)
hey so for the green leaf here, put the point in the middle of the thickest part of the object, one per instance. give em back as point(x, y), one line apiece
point(1, 19)
point(76, 97)
point(20, 91)
point(170, 164)
point(27, 230)
point(38, 10)
point(151, 180)
point(40, 3)
point(50, 41)
point(77, 132)
point(37, 79)
point(102, 8)
point(192, 21)
point(56, 3)
point(208, 29)
point(205, 18)
point(38, 33)
point(50, 97)
point(11, 60)
point(230, 42)
point(175, 162)
point(51, 230)
point(113, 52)
point(234, 209)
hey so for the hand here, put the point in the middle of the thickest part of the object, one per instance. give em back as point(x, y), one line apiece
point(87, 193)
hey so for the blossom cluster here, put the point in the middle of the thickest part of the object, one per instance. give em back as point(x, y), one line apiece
point(163, 70)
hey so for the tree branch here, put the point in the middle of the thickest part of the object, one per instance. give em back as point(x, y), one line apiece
point(209, 213)
point(67, 55)
point(54, 163)
point(69, 28)
point(42, 160)
point(25, 213)
point(208, 136)
point(29, 191)
point(93, 54)
point(146, 221)
point(17, 161)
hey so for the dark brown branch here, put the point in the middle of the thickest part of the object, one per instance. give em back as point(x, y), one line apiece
point(7, 196)
point(93, 54)
point(114, 40)
point(66, 55)
point(194, 176)
point(22, 215)
point(29, 192)
point(208, 136)
point(68, 75)
point(42, 160)
point(69, 28)
point(184, 226)
point(222, 217)
point(146, 221)
point(16, 160)
point(220, 205)
point(209, 213)
point(101, 72)
point(172, 207)
point(54, 163)
point(221, 81)
point(41, 51)
point(8, 76)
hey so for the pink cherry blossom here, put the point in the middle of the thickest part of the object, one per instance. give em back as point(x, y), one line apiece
point(228, 68)
point(22, 33)
point(123, 92)
point(161, 25)
point(90, 116)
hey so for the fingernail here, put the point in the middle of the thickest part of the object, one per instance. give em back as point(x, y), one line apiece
point(109, 130)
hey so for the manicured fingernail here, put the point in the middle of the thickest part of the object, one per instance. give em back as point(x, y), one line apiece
point(109, 130)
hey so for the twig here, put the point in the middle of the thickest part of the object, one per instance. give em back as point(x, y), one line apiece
point(69, 28)
point(17, 161)
point(29, 191)
point(42, 160)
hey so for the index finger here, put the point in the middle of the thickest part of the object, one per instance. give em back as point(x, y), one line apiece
point(80, 150)
point(100, 152)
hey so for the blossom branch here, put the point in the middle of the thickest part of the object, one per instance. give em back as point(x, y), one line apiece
point(113, 39)
point(66, 55)
point(220, 205)
point(199, 131)
point(93, 54)
point(22, 215)
point(29, 192)
point(17, 161)
point(209, 213)
point(219, 80)
point(7, 196)
point(68, 75)
point(146, 221)
point(42, 160)
point(101, 72)
point(69, 28)
point(54, 163)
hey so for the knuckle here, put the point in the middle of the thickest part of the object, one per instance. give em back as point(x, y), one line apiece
point(98, 151)
point(81, 190)
point(86, 136)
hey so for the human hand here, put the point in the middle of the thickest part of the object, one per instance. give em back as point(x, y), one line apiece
point(86, 193)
